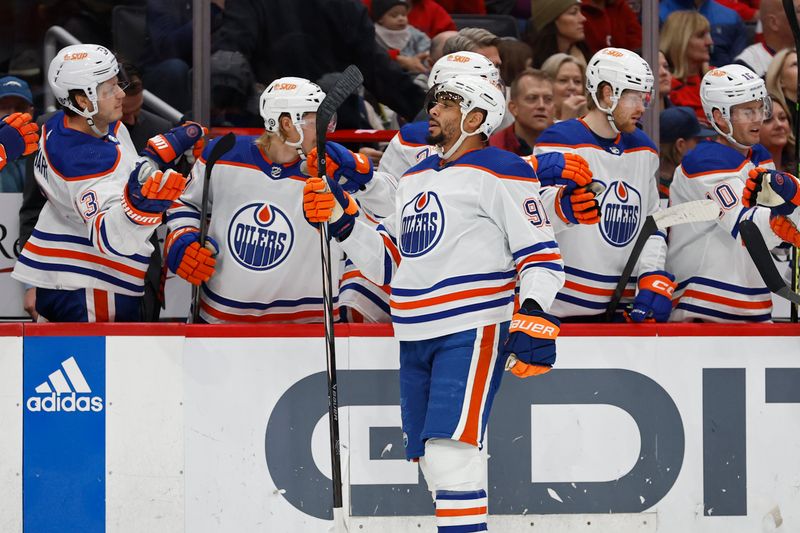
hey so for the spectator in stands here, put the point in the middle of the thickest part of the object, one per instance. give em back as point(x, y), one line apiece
point(777, 36)
point(403, 42)
point(686, 43)
point(680, 131)
point(311, 38)
point(664, 82)
point(15, 97)
point(428, 16)
point(437, 46)
point(611, 23)
point(781, 80)
point(475, 40)
point(556, 26)
point(727, 28)
point(776, 136)
point(141, 124)
point(531, 105)
point(569, 79)
point(515, 57)
point(167, 58)
point(231, 91)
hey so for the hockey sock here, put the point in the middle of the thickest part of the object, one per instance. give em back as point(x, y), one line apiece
point(461, 511)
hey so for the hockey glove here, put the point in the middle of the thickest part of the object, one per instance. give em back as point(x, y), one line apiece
point(531, 343)
point(579, 206)
point(654, 299)
point(771, 188)
point(329, 203)
point(18, 136)
point(555, 168)
point(189, 260)
point(150, 192)
point(165, 148)
point(351, 170)
point(785, 229)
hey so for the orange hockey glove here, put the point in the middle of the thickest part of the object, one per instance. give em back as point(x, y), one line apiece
point(187, 259)
point(785, 229)
point(531, 343)
point(578, 206)
point(555, 168)
point(18, 136)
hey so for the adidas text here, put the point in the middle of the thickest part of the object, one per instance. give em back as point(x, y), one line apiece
point(64, 402)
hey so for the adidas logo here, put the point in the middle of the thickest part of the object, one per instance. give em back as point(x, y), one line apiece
point(65, 390)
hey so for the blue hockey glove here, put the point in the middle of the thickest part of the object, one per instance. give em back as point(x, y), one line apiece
point(531, 343)
point(165, 148)
point(329, 203)
point(579, 205)
point(351, 170)
point(555, 168)
point(781, 192)
point(18, 136)
point(150, 192)
point(654, 299)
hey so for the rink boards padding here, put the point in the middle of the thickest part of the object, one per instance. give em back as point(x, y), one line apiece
point(179, 428)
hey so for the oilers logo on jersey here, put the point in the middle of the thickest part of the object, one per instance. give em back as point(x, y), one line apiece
point(622, 207)
point(260, 236)
point(423, 224)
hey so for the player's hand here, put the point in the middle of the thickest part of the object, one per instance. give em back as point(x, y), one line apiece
point(352, 171)
point(18, 136)
point(785, 229)
point(771, 188)
point(165, 148)
point(654, 299)
point(150, 192)
point(579, 206)
point(189, 260)
point(555, 168)
point(324, 200)
point(29, 303)
point(531, 343)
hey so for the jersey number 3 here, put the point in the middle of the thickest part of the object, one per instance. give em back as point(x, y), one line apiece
point(89, 203)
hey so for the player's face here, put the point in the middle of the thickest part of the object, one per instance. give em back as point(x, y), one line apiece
point(110, 95)
point(747, 119)
point(775, 130)
point(629, 110)
point(533, 106)
point(444, 122)
point(569, 24)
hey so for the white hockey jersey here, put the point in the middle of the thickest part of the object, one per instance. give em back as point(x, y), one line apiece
point(83, 238)
point(406, 149)
point(594, 255)
point(268, 266)
point(717, 281)
point(460, 237)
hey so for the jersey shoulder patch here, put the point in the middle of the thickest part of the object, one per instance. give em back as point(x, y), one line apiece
point(711, 157)
point(414, 133)
point(74, 155)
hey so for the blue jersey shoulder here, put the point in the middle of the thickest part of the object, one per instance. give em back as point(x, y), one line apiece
point(73, 154)
point(414, 133)
point(497, 161)
point(566, 133)
point(711, 156)
point(636, 139)
point(760, 155)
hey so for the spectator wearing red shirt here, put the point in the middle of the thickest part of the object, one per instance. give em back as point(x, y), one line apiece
point(611, 23)
point(427, 16)
point(686, 43)
point(467, 7)
point(531, 105)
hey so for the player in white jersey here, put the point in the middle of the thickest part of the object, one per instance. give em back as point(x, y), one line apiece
point(18, 137)
point(262, 263)
point(467, 224)
point(90, 248)
point(717, 281)
point(625, 161)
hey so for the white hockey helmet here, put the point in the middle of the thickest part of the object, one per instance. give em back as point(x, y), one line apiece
point(724, 87)
point(622, 70)
point(295, 96)
point(463, 63)
point(81, 67)
point(473, 93)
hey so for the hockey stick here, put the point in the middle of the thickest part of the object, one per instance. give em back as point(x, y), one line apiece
point(347, 84)
point(759, 253)
point(696, 211)
point(791, 16)
point(220, 148)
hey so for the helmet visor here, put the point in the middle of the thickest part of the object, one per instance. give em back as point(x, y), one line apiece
point(632, 99)
point(310, 119)
point(755, 111)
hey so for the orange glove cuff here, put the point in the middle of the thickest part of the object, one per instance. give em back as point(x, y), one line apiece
point(659, 284)
point(534, 326)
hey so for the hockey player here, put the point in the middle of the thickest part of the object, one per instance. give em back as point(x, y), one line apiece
point(262, 261)
point(468, 221)
point(18, 137)
point(717, 281)
point(625, 161)
point(89, 251)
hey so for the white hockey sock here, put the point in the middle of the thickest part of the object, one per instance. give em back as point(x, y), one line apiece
point(461, 511)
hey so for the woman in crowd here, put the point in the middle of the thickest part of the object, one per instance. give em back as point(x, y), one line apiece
point(777, 137)
point(556, 26)
point(516, 56)
point(686, 44)
point(568, 75)
point(664, 82)
point(781, 79)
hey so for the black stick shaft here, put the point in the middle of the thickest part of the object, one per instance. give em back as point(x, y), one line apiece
point(648, 228)
point(791, 16)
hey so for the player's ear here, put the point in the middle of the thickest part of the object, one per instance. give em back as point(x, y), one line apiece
point(474, 120)
point(83, 101)
point(286, 126)
point(605, 95)
point(719, 120)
